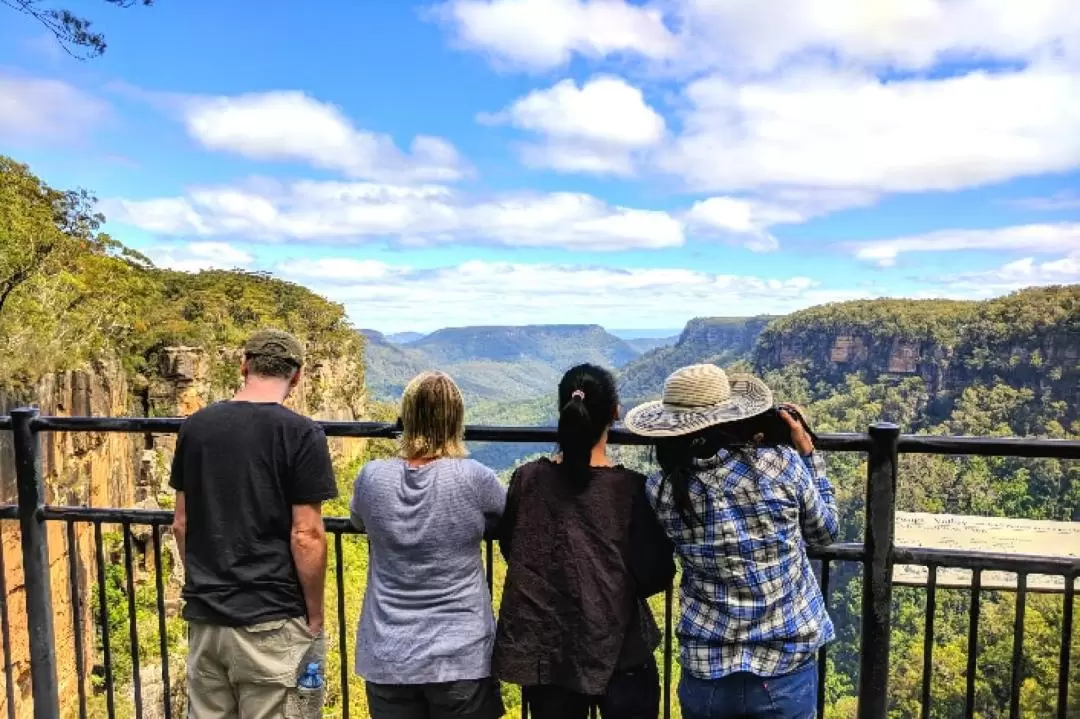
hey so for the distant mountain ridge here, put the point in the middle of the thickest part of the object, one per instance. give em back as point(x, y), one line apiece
point(717, 340)
point(493, 363)
point(404, 338)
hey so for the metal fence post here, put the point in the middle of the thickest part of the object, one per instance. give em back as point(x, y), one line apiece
point(35, 550)
point(877, 571)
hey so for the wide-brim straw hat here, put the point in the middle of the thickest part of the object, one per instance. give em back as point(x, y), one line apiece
point(697, 397)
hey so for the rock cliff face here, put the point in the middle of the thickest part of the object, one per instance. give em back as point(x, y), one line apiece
point(949, 345)
point(127, 470)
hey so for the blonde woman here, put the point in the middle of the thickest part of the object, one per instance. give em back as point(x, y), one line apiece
point(426, 629)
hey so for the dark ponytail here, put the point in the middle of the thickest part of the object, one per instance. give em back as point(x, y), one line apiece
point(588, 402)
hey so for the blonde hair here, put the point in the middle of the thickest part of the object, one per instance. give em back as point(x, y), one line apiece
point(433, 418)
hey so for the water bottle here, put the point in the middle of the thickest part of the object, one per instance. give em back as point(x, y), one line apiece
point(312, 678)
point(307, 700)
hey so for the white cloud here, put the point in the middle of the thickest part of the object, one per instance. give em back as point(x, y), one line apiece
point(476, 292)
point(850, 131)
point(738, 216)
point(1044, 238)
point(411, 215)
point(1063, 200)
point(604, 109)
point(1026, 272)
point(290, 126)
point(754, 37)
point(747, 220)
point(912, 34)
point(592, 128)
point(195, 256)
point(46, 111)
point(544, 34)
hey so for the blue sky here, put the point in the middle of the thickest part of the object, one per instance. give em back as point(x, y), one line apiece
point(522, 161)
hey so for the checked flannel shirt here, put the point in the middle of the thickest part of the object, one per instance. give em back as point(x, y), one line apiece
point(750, 601)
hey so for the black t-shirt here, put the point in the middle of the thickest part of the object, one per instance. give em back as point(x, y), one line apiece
point(242, 466)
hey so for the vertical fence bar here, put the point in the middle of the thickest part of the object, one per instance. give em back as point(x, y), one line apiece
point(163, 636)
point(76, 614)
point(35, 548)
point(928, 639)
point(668, 597)
point(103, 621)
point(1018, 647)
point(973, 643)
point(877, 571)
point(1064, 667)
point(823, 652)
point(343, 651)
point(5, 630)
point(133, 622)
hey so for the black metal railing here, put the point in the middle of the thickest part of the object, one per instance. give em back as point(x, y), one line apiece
point(877, 555)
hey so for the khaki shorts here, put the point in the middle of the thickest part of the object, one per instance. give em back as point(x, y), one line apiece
point(252, 671)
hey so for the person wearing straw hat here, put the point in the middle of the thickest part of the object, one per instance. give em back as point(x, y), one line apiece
point(741, 493)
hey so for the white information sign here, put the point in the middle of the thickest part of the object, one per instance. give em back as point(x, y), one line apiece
point(989, 534)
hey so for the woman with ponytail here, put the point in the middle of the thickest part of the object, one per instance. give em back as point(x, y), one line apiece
point(584, 550)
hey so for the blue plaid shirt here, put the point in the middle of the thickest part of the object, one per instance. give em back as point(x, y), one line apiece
point(750, 601)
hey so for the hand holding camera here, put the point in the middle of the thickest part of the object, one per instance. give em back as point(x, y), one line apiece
point(802, 438)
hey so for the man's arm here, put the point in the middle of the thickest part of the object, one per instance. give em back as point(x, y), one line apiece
point(179, 525)
point(176, 481)
point(312, 484)
point(308, 544)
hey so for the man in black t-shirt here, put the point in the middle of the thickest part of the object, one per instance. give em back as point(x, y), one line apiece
point(250, 477)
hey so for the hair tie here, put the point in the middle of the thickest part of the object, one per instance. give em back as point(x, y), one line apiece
point(577, 394)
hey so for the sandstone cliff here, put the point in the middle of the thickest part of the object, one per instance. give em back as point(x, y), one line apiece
point(949, 345)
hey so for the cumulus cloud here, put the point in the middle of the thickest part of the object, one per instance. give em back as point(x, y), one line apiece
point(195, 256)
point(852, 131)
point(763, 35)
point(1041, 238)
point(292, 127)
point(747, 220)
point(544, 34)
point(411, 215)
point(1026, 272)
point(1063, 200)
point(757, 37)
point(395, 297)
point(592, 128)
point(40, 110)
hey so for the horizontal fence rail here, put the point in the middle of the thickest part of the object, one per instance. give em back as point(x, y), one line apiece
point(146, 531)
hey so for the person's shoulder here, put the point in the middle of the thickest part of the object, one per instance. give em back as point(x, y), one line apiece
point(377, 466)
point(291, 416)
point(626, 474)
point(534, 468)
point(778, 460)
point(209, 415)
point(472, 467)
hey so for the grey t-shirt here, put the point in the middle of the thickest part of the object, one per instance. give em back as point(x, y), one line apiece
point(427, 611)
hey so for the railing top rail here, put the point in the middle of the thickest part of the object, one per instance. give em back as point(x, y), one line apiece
point(909, 443)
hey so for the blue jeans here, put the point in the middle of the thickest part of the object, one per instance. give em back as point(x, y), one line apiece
point(748, 696)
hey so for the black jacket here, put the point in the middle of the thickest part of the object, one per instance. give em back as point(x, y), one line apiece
point(580, 564)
